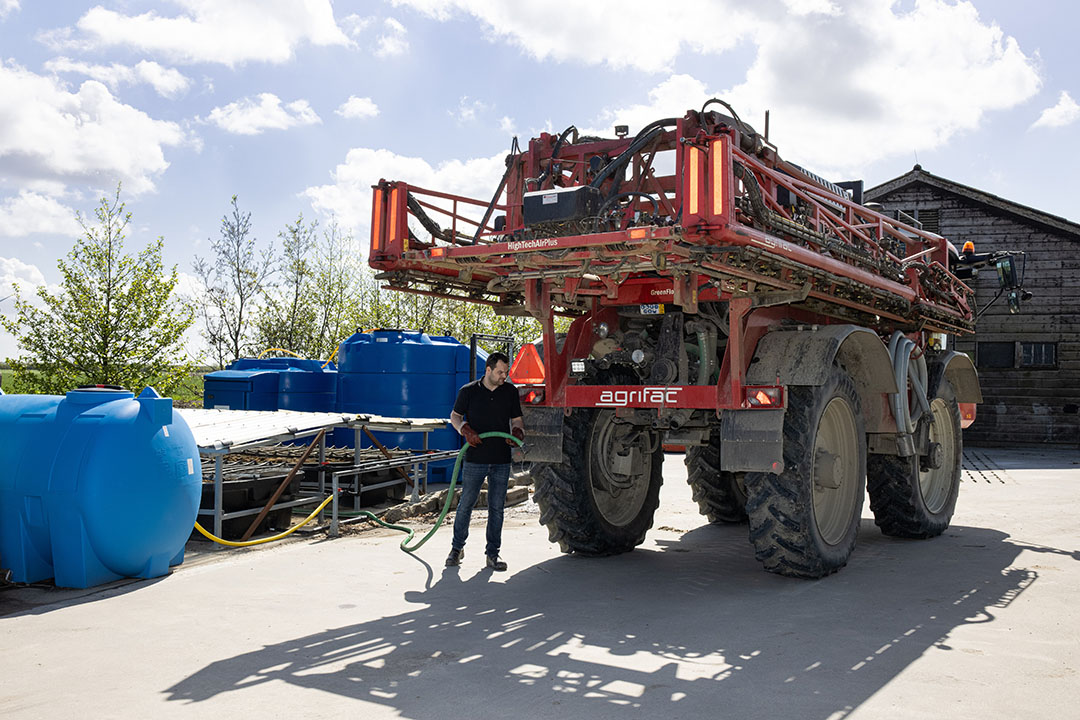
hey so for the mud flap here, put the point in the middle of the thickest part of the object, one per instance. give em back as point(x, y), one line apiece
point(752, 441)
point(543, 435)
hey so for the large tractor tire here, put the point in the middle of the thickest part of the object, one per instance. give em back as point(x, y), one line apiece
point(720, 495)
point(600, 500)
point(803, 522)
point(914, 497)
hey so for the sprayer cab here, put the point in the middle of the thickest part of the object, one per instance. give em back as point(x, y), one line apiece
point(1009, 265)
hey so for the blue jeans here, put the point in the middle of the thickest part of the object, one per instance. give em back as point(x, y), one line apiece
point(472, 477)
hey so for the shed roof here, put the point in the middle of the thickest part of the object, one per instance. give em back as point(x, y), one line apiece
point(918, 175)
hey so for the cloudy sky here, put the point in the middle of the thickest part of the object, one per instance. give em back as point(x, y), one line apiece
point(298, 106)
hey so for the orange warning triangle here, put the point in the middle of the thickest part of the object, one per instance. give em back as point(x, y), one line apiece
point(527, 369)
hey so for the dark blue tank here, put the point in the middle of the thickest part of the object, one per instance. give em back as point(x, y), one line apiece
point(404, 373)
point(272, 384)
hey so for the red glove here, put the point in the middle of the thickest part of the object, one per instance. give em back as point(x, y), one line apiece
point(519, 434)
point(471, 436)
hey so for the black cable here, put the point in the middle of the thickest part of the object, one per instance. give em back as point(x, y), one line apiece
point(643, 138)
point(554, 156)
point(430, 225)
point(514, 151)
point(629, 193)
point(743, 127)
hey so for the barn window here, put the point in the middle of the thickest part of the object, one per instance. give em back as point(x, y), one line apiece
point(995, 355)
point(930, 219)
point(908, 217)
point(1038, 355)
point(1008, 355)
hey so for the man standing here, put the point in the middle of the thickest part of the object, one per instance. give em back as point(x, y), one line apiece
point(489, 404)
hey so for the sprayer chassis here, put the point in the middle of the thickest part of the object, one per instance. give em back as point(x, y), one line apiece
point(756, 316)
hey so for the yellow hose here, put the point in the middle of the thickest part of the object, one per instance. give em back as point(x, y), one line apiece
point(332, 356)
point(272, 538)
point(290, 352)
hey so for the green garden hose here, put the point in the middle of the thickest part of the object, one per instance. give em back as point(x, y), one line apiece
point(446, 506)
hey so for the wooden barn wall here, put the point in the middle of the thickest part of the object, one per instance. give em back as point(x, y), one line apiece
point(1021, 405)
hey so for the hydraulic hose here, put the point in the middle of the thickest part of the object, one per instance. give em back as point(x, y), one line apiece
point(552, 160)
point(364, 513)
point(643, 138)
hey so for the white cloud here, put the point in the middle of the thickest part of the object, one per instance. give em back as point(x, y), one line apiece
point(672, 97)
point(50, 136)
point(358, 108)
point(8, 6)
point(1066, 112)
point(506, 125)
point(30, 212)
point(168, 82)
point(881, 83)
point(354, 25)
point(14, 270)
point(249, 116)
point(849, 89)
point(809, 7)
point(348, 198)
point(392, 42)
point(211, 31)
point(467, 110)
point(703, 25)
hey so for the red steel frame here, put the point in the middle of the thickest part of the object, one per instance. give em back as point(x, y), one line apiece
point(703, 258)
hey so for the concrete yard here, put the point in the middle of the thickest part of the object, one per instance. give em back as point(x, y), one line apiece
point(983, 622)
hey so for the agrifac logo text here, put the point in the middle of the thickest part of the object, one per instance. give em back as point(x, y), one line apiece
point(648, 395)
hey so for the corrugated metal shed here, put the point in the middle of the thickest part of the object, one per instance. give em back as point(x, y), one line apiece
point(218, 430)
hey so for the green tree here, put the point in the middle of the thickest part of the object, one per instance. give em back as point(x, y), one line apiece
point(114, 320)
point(336, 292)
point(232, 283)
point(288, 315)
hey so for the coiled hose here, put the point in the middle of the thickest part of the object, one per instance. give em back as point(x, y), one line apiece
point(904, 370)
point(370, 515)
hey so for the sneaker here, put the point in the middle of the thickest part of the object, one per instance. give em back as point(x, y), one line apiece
point(495, 563)
point(455, 557)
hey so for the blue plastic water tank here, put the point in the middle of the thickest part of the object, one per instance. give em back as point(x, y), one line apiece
point(95, 486)
point(272, 384)
point(404, 373)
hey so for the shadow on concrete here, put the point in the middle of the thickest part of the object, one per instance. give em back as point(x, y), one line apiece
point(1041, 458)
point(42, 597)
point(690, 630)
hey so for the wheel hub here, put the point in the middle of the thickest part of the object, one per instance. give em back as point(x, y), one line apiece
point(934, 457)
point(836, 484)
point(828, 470)
point(622, 468)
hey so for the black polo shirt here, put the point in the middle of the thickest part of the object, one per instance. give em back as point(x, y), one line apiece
point(488, 411)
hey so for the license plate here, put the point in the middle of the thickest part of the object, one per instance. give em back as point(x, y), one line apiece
point(655, 309)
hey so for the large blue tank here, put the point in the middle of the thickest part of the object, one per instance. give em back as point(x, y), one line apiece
point(95, 486)
point(404, 373)
point(272, 384)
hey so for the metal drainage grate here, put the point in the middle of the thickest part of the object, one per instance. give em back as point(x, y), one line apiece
point(981, 468)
